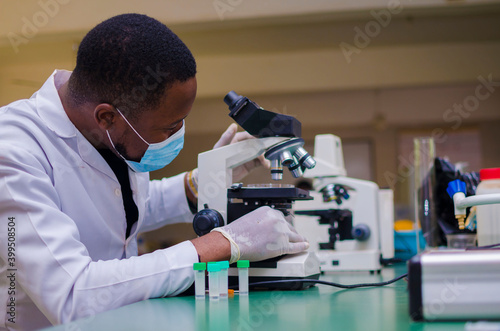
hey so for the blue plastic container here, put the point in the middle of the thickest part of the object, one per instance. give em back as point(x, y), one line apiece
point(405, 244)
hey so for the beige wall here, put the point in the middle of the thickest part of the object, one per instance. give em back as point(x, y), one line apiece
point(408, 73)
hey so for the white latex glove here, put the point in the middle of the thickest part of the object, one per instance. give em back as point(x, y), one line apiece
point(262, 234)
point(231, 136)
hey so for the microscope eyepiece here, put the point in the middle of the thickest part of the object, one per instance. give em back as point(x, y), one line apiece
point(233, 99)
point(259, 122)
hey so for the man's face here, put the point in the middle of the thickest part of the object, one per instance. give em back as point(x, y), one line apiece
point(157, 125)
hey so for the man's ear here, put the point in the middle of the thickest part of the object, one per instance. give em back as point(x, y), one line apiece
point(105, 115)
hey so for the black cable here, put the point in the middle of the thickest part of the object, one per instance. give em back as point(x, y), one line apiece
point(390, 261)
point(316, 281)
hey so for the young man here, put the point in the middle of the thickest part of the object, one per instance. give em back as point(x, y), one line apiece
point(75, 189)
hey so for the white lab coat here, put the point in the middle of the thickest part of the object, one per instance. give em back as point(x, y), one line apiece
point(71, 257)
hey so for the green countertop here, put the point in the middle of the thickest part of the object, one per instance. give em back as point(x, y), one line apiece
point(318, 308)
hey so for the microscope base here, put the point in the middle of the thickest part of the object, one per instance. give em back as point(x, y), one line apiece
point(365, 260)
point(303, 265)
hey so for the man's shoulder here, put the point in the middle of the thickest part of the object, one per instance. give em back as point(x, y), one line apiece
point(22, 128)
point(19, 113)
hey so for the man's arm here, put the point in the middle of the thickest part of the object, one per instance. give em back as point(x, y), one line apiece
point(54, 267)
point(212, 247)
point(191, 187)
point(167, 203)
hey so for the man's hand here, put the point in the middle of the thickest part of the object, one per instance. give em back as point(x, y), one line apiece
point(262, 234)
point(231, 136)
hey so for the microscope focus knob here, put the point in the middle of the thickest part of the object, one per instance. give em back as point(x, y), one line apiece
point(205, 220)
point(361, 232)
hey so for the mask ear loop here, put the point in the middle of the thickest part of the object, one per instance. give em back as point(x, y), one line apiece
point(137, 133)
point(111, 141)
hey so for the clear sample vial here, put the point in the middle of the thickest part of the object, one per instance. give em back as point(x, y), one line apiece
point(243, 276)
point(199, 280)
point(223, 287)
point(213, 280)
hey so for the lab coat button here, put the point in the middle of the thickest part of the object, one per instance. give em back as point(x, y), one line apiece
point(118, 192)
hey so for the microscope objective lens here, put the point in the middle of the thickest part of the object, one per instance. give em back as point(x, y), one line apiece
point(304, 158)
point(286, 158)
point(276, 169)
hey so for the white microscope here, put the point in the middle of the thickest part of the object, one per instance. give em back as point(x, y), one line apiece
point(350, 222)
point(220, 201)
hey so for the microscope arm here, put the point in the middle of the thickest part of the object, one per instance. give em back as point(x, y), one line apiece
point(215, 169)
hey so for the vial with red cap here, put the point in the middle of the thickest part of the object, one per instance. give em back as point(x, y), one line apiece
point(488, 216)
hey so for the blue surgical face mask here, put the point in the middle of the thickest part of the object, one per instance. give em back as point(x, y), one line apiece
point(158, 155)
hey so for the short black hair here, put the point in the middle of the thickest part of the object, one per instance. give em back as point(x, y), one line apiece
point(129, 61)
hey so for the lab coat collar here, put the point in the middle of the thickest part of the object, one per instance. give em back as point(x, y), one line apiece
point(52, 113)
point(50, 108)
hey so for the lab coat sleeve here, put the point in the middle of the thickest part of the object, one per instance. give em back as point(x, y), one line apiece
point(167, 203)
point(54, 267)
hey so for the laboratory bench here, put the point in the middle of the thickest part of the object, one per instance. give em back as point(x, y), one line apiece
point(320, 307)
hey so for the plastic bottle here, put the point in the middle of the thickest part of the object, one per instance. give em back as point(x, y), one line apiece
point(199, 279)
point(488, 216)
point(243, 276)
